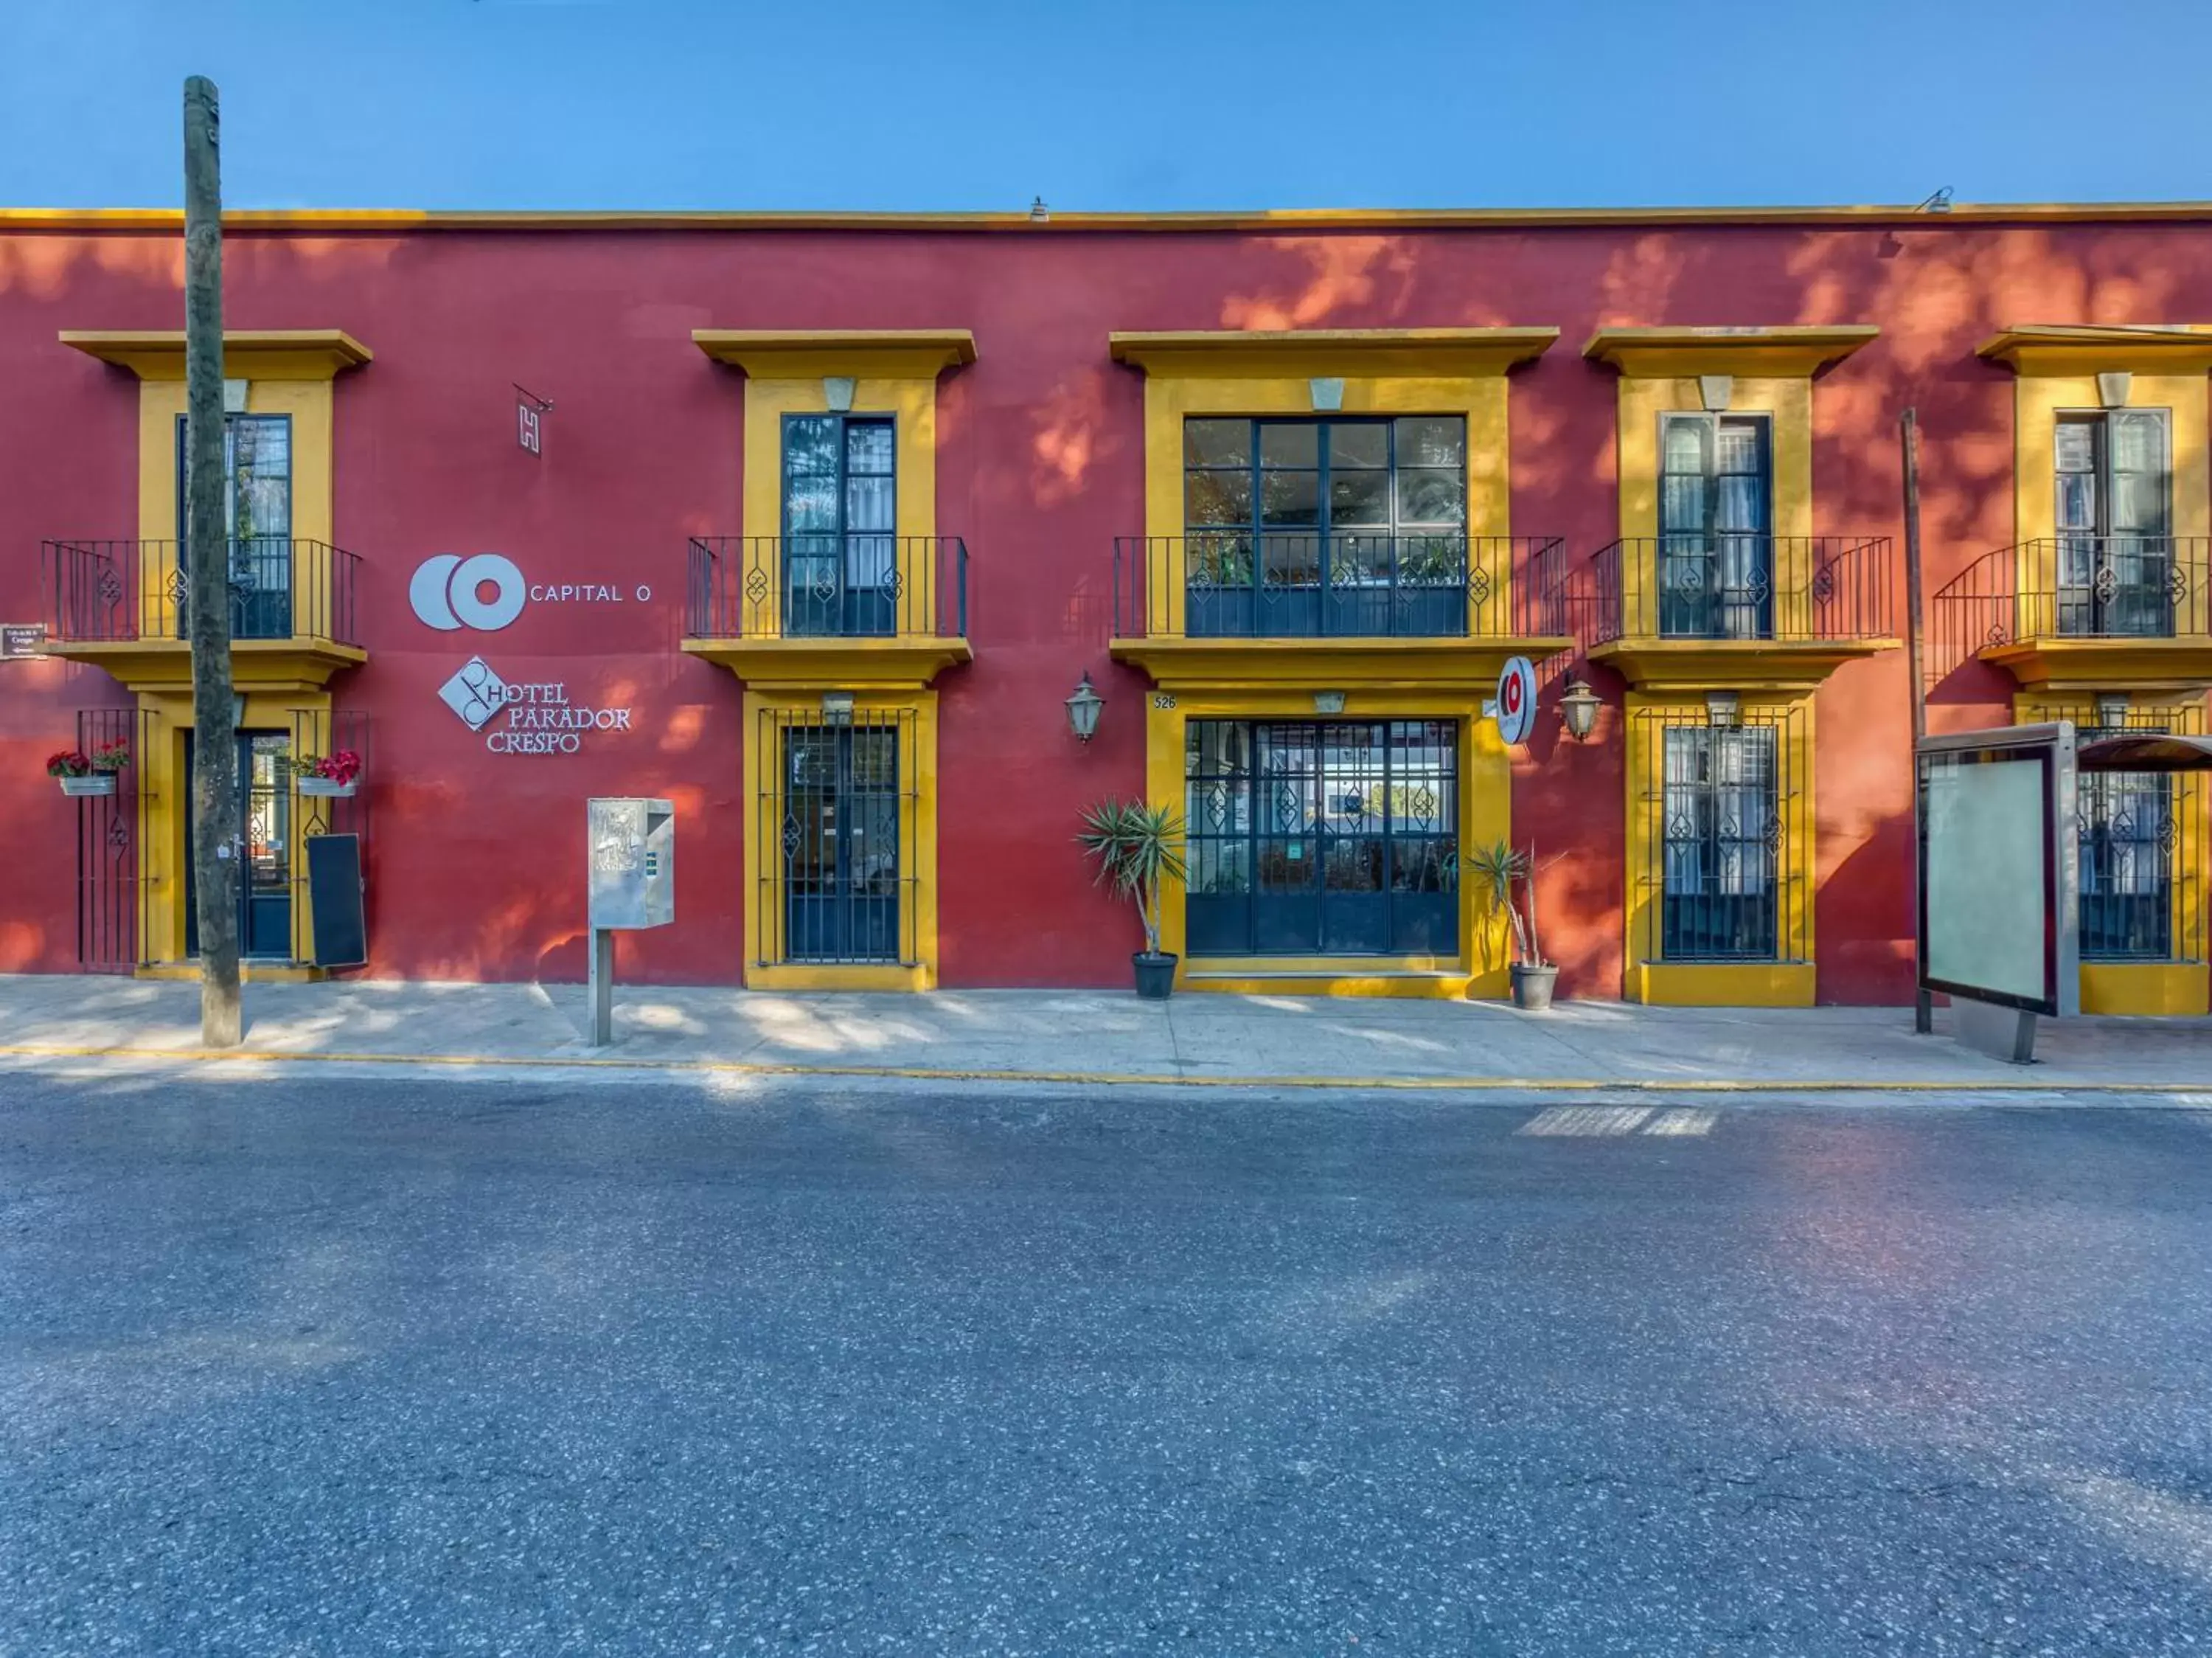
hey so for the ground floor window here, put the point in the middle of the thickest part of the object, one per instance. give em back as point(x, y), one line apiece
point(1334, 836)
point(837, 815)
point(2124, 828)
point(1721, 845)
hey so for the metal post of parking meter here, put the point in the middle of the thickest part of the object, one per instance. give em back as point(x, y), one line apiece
point(630, 855)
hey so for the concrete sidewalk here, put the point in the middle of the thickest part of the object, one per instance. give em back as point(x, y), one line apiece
point(1098, 1036)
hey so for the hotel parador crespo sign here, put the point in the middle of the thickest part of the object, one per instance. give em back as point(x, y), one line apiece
point(485, 592)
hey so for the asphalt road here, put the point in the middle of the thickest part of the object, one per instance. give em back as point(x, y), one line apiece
point(404, 1365)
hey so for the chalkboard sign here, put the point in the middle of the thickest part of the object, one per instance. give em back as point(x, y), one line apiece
point(334, 894)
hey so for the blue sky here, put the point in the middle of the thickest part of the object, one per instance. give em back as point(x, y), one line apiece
point(1131, 104)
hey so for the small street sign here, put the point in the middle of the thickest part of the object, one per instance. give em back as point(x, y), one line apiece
point(22, 641)
point(1517, 701)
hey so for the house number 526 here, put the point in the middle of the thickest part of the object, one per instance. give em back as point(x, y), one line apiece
point(1163, 699)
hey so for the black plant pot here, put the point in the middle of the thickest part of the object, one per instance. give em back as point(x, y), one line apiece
point(1155, 975)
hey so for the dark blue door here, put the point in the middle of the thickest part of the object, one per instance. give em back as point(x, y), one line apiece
point(264, 800)
point(840, 843)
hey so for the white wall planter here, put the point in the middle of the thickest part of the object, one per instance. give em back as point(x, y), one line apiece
point(329, 787)
point(100, 782)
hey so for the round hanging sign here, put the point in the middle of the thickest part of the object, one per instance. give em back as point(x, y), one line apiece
point(1517, 701)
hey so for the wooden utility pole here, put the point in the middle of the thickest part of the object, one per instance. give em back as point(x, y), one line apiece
point(1908, 425)
point(217, 850)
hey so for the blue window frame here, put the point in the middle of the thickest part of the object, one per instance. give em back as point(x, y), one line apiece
point(841, 576)
point(1715, 527)
point(1336, 836)
point(1297, 527)
point(257, 470)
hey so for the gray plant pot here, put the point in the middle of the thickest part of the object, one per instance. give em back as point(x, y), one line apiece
point(1155, 975)
point(100, 782)
point(1532, 986)
point(328, 788)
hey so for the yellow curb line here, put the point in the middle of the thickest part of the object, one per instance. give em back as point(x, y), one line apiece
point(933, 1074)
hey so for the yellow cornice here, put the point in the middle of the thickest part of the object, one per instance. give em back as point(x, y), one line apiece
point(1292, 221)
point(265, 354)
point(1466, 666)
point(164, 666)
point(1232, 353)
point(1671, 352)
point(804, 353)
point(904, 662)
point(2088, 348)
point(1795, 665)
point(2081, 663)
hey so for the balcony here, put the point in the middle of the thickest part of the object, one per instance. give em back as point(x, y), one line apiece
point(1343, 609)
point(1730, 609)
point(860, 610)
point(125, 606)
point(2086, 613)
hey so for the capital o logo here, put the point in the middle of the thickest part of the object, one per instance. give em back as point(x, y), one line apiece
point(447, 592)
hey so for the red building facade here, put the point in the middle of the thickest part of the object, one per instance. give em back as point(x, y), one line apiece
point(828, 517)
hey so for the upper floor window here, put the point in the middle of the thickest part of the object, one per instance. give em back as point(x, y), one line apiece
point(1301, 526)
point(257, 502)
point(256, 477)
point(1715, 527)
point(2112, 504)
point(840, 520)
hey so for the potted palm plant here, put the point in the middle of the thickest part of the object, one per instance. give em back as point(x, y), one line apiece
point(1500, 867)
point(1138, 847)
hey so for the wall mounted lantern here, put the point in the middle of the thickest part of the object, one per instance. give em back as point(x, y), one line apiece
point(1723, 708)
point(1083, 711)
point(1578, 707)
point(836, 708)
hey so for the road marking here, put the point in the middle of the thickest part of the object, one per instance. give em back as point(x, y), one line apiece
point(1587, 1122)
point(1684, 1122)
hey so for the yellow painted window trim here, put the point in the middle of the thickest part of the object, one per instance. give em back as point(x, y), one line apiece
point(1255, 375)
point(2148, 987)
point(1650, 976)
point(918, 873)
point(896, 373)
point(1486, 791)
point(2051, 381)
point(164, 716)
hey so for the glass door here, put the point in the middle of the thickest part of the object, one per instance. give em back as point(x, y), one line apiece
point(840, 843)
point(1333, 836)
point(264, 800)
point(257, 469)
point(840, 517)
point(1716, 565)
point(2111, 501)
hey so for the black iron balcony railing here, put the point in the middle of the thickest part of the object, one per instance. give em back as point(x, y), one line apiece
point(861, 586)
point(118, 591)
point(1791, 589)
point(1237, 585)
point(2079, 586)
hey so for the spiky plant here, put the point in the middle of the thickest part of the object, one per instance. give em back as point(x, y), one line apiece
point(1138, 847)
